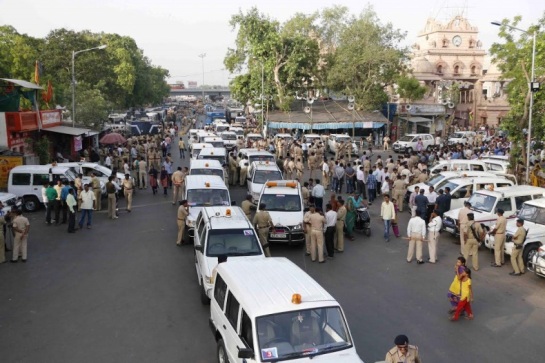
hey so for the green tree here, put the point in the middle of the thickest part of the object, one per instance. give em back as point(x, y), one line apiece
point(367, 59)
point(513, 57)
point(91, 106)
point(410, 88)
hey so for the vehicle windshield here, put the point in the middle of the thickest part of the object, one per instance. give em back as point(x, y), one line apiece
point(232, 242)
point(253, 158)
point(207, 171)
point(261, 176)
point(342, 139)
point(221, 128)
point(457, 135)
point(215, 143)
point(254, 138)
point(229, 136)
point(281, 202)
point(483, 202)
point(445, 184)
point(406, 138)
point(207, 197)
point(71, 174)
point(104, 170)
point(435, 180)
point(302, 333)
point(219, 158)
point(531, 213)
point(239, 132)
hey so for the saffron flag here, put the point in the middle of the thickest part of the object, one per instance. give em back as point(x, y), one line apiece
point(37, 73)
point(48, 94)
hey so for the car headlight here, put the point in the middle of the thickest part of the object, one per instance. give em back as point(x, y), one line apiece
point(190, 223)
point(297, 227)
point(508, 238)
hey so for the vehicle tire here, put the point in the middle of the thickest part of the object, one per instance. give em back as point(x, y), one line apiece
point(222, 353)
point(529, 252)
point(429, 148)
point(31, 203)
point(409, 150)
point(204, 298)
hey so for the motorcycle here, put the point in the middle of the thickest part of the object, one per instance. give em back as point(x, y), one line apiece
point(363, 221)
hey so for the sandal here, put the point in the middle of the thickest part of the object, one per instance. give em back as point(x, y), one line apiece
point(451, 318)
point(469, 317)
point(451, 311)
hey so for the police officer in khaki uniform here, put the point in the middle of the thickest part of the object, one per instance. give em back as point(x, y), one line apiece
point(339, 227)
point(315, 222)
point(462, 224)
point(95, 184)
point(183, 212)
point(247, 206)
point(400, 189)
point(262, 222)
point(403, 352)
point(128, 189)
point(473, 233)
point(516, 253)
point(499, 239)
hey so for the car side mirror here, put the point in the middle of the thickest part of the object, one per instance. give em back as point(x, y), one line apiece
point(245, 353)
point(198, 248)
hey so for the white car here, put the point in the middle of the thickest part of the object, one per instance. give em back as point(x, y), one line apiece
point(409, 142)
point(335, 139)
point(222, 231)
point(536, 263)
point(9, 200)
point(484, 204)
point(462, 188)
point(229, 140)
point(438, 180)
point(533, 214)
point(284, 203)
point(261, 172)
point(462, 137)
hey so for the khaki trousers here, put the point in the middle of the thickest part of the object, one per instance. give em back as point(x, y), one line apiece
point(325, 180)
point(339, 232)
point(398, 195)
point(264, 239)
point(471, 248)
point(98, 196)
point(433, 238)
point(307, 241)
point(143, 179)
point(20, 244)
point(111, 206)
point(462, 237)
point(317, 243)
point(128, 198)
point(176, 193)
point(232, 176)
point(415, 240)
point(517, 262)
point(181, 229)
point(499, 244)
point(243, 173)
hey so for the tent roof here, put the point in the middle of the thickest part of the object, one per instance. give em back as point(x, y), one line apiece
point(22, 83)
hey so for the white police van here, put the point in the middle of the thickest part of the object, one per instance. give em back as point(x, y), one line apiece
point(207, 167)
point(269, 310)
point(203, 191)
point(261, 172)
point(284, 203)
point(222, 231)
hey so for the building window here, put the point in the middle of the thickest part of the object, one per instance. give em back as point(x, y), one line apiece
point(499, 121)
point(456, 70)
point(483, 120)
point(473, 70)
point(440, 69)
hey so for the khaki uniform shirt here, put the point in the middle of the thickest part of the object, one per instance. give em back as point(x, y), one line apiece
point(341, 214)
point(518, 237)
point(305, 193)
point(262, 219)
point(95, 183)
point(178, 178)
point(500, 225)
point(182, 213)
point(462, 215)
point(246, 206)
point(399, 185)
point(20, 224)
point(476, 227)
point(127, 184)
point(395, 356)
point(316, 221)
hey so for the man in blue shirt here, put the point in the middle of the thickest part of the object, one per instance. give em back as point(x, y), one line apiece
point(371, 187)
point(64, 193)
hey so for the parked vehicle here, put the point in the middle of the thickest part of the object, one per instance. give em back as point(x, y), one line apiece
point(485, 203)
point(269, 310)
point(409, 142)
point(9, 200)
point(207, 167)
point(462, 137)
point(462, 188)
point(490, 166)
point(335, 139)
point(261, 172)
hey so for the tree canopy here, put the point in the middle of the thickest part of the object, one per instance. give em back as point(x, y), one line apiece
point(329, 50)
point(118, 76)
point(514, 58)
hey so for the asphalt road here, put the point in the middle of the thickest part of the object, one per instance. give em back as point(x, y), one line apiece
point(123, 292)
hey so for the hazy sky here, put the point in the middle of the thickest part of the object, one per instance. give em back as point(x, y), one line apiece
point(173, 33)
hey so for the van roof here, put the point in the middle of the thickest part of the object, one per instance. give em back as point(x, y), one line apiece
point(266, 286)
point(200, 182)
point(202, 163)
point(226, 217)
point(290, 187)
point(201, 145)
point(450, 174)
point(213, 151)
point(40, 169)
point(472, 180)
point(255, 152)
point(264, 165)
point(513, 191)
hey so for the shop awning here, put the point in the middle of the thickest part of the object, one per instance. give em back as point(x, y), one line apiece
point(416, 119)
point(20, 82)
point(324, 125)
point(74, 131)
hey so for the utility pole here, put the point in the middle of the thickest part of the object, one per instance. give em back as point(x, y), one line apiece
point(202, 55)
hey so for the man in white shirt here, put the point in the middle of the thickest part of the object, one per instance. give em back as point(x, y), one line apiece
point(416, 231)
point(318, 193)
point(387, 213)
point(330, 224)
point(325, 174)
point(360, 178)
point(434, 227)
point(88, 203)
point(108, 161)
point(432, 197)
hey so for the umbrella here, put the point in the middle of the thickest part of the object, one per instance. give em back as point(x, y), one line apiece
point(113, 138)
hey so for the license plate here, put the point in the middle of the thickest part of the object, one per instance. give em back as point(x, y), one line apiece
point(278, 235)
point(450, 230)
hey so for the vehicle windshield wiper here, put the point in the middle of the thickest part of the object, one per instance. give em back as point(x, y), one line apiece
point(334, 346)
point(250, 253)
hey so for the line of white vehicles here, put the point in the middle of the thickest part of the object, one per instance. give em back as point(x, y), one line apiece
point(409, 142)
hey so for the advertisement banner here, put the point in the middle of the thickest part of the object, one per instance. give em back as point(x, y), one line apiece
point(78, 143)
point(51, 118)
point(6, 164)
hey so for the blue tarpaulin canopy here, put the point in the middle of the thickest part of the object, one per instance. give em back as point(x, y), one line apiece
point(324, 125)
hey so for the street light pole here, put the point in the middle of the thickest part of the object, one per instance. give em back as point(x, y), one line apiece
point(262, 96)
point(202, 55)
point(74, 53)
point(530, 87)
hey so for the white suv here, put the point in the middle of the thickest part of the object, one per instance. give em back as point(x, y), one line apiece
point(334, 139)
point(261, 172)
point(462, 137)
point(222, 231)
point(408, 143)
